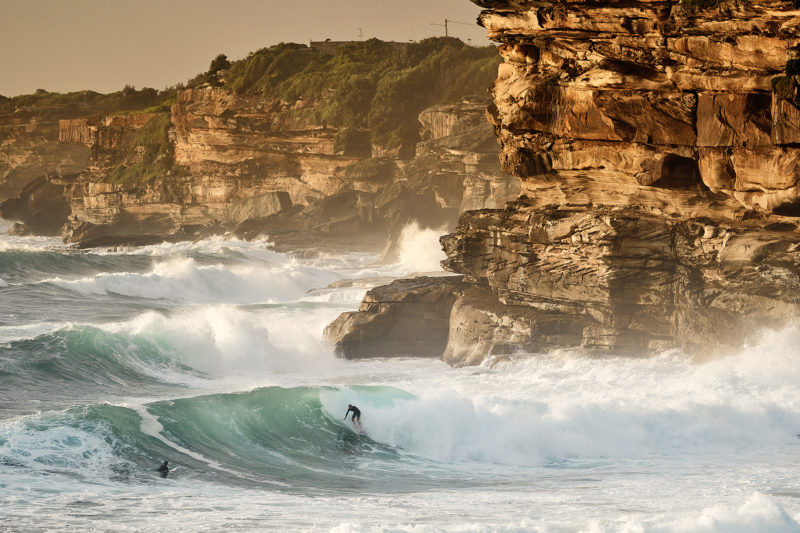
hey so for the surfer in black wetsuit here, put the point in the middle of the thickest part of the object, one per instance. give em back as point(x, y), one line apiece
point(356, 413)
point(163, 469)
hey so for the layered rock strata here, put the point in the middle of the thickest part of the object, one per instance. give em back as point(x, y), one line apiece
point(660, 175)
point(408, 317)
point(31, 156)
point(659, 205)
point(249, 165)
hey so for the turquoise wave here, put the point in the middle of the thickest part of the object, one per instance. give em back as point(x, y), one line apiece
point(81, 361)
point(282, 438)
point(25, 266)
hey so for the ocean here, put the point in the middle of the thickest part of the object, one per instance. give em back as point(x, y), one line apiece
point(210, 355)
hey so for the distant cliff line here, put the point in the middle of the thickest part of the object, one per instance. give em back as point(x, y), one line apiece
point(286, 140)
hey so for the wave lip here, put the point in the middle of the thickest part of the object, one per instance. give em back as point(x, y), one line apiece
point(187, 347)
point(77, 362)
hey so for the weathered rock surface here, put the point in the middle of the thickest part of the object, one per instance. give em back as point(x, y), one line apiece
point(408, 317)
point(245, 164)
point(659, 204)
point(31, 156)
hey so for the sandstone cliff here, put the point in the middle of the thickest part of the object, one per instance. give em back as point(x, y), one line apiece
point(308, 148)
point(408, 317)
point(660, 177)
point(658, 151)
point(247, 164)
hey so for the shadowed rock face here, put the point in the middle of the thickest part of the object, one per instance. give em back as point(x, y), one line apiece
point(660, 199)
point(408, 317)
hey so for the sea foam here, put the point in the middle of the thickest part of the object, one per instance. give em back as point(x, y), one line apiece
point(545, 408)
point(183, 279)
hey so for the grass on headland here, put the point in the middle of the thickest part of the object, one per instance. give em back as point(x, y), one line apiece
point(157, 153)
point(371, 89)
point(78, 103)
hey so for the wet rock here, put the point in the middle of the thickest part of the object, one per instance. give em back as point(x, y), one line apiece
point(408, 317)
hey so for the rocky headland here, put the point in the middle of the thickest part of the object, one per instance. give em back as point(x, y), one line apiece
point(658, 147)
point(238, 152)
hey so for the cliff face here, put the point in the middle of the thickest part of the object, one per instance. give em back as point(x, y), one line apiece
point(234, 161)
point(660, 201)
point(246, 164)
point(408, 317)
point(30, 156)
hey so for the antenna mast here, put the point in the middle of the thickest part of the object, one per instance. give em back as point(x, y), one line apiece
point(446, 24)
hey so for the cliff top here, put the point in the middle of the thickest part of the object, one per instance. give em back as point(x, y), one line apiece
point(373, 91)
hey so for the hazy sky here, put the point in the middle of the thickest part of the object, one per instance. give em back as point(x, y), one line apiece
point(69, 45)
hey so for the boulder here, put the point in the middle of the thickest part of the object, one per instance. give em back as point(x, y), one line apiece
point(408, 317)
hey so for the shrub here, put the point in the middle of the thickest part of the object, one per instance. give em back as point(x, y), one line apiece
point(157, 156)
point(219, 63)
point(352, 141)
point(84, 103)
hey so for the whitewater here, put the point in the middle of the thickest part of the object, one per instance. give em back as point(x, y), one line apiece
point(211, 355)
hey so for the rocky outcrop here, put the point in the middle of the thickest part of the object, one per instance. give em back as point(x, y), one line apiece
point(408, 317)
point(30, 158)
point(252, 165)
point(482, 327)
point(222, 134)
point(657, 145)
point(660, 180)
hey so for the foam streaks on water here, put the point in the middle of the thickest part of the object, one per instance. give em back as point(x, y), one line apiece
point(210, 355)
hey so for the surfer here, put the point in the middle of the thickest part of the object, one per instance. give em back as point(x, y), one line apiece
point(356, 413)
point(164, 469)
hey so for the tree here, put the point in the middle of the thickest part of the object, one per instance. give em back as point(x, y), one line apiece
point(219, 63)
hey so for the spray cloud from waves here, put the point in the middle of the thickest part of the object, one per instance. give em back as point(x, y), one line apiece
point(184, 347)
point(419, 249)
point(547, 408)
point(430, 427)
point(225, 340)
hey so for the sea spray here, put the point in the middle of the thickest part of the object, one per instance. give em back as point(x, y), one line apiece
point(548, 408)
point(226, 340)
point(419, 249)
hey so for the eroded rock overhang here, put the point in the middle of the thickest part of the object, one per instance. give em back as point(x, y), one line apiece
point(658, 146)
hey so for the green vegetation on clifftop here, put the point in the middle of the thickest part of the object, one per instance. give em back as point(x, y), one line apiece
point(82, 103)
point(373, 89)
point(150, 150)
point(371, 92)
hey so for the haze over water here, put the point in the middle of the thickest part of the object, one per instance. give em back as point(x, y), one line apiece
point(210, 355)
